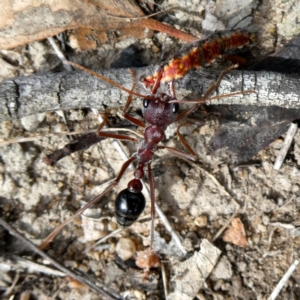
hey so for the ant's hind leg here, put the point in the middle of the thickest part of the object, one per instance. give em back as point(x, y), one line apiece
point(54, 233)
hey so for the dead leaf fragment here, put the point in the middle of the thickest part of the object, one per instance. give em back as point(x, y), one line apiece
point(146, 260)
point(236, 234)
point(23, 22)
point(83, 40)
point(189, 275)
point(75, 284)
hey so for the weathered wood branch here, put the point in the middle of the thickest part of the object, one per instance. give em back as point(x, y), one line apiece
point(24, 96)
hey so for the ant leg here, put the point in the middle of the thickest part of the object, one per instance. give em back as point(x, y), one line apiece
point(180, 154)
point(54, 233)
point(104, 120)
point(82, 143)
point(171, 89)
point(213, 87)
point(106, 79)
point(152, 196)
point(113, 135)
point(157, 82)
point(184, 142)
point(126, 107)
point(130, 118)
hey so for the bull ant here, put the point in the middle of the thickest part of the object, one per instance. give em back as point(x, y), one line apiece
point(160, 110)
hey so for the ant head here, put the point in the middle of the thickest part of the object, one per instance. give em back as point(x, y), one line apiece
point(159, 111)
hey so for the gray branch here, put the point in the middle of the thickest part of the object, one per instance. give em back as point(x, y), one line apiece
point(24, 96)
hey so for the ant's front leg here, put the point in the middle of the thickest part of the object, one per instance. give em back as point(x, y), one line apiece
point(127, 116)
point(131, 119)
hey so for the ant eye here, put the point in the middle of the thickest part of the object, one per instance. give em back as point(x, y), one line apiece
point(146, 103)
point(175, 108)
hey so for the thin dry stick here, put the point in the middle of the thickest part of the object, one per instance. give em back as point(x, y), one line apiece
point(286, 203)
point(113, 233)
point(285, 146)
point(34, 138)
point(11, 288)
point(97, 286)
point(164, 278)
point(229, 221)
point(14, 263)
point(59, 53)
point(269, 241)
point(283, 280)
point(169, 227)
point(225, 226)
point(221, 187)
point(151, 15)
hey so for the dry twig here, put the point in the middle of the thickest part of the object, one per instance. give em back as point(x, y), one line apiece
point(283, 280)
point(285, 146)
point(96, 285)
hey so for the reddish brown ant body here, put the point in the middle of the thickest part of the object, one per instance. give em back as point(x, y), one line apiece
point(160, 110)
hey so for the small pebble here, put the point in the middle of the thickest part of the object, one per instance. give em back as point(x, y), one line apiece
point(134, 294)
point(25, 295)
point(223, 269)
point(70, 263)
point(242, 266)
point(256, 238)
point(93, 228)
point(146, 260)
point(218, 285)
point(201, 221)
point(32, 122)
point(265, 220)
point(261, 228)
point(84, 268)
point(125, 248)
point(280, 201)
point(112, 226)
point(74, 284)
point(155, 49)
point(217, 225)
point(112, 248)
point(60, 127)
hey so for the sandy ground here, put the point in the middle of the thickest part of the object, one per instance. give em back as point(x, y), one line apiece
point(35, 198)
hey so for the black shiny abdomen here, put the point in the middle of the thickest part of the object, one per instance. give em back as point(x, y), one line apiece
point(128, 207)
